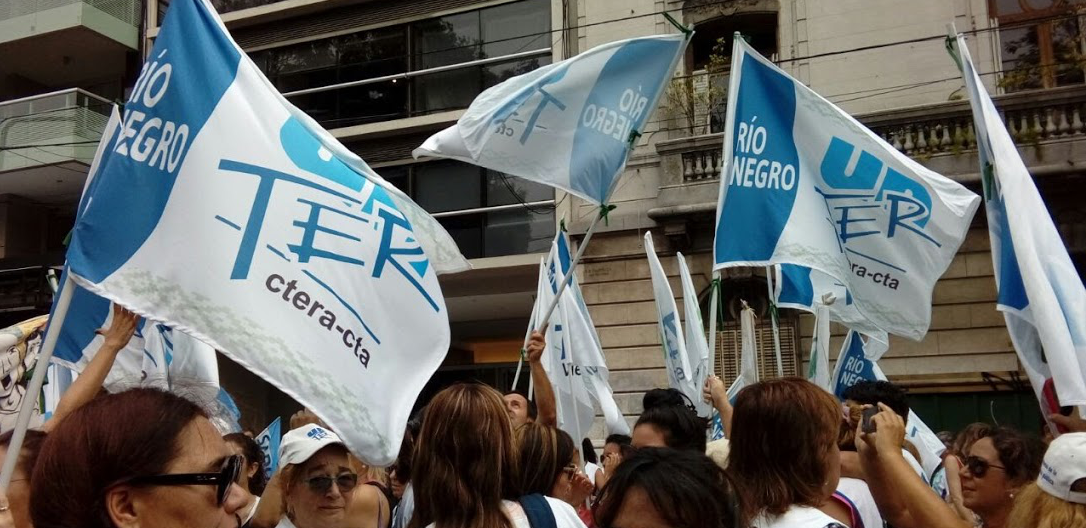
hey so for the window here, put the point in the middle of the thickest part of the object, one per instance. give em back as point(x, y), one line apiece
point(493, 32)
point(483, 210)
point(1041, 43)
point(710, 61)
point(729, 341)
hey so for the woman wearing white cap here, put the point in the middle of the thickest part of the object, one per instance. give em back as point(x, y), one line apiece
point(318, 485)
point(1058, 498)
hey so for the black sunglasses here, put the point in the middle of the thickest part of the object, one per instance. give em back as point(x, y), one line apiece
point(979, 467)
point(346, 482)
point(231, 468)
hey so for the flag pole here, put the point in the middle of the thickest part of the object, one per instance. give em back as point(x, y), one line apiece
point(770, 279)
point(36, 381)
point(714, 300)
point(541, 323)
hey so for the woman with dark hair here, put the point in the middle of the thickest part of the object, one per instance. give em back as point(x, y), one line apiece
point(548, 464)
point(466, 472)
point(784, 457)
point(669, 420)
point(666, 487)
point(83, 389)
point(139, 458)
point(996, 468)
point(252, 477)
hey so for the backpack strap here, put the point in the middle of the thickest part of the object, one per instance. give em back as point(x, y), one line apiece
point(538, 511)
point(853, 511)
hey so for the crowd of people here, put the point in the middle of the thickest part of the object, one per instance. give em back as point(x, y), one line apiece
point(794, 457)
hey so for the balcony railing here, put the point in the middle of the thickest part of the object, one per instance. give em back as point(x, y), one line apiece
point(50, 128)
point(1032, 118)
point(124, 10)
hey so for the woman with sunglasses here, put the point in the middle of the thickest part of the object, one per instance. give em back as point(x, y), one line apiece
point(319, 488)
point(548, 465)
point(136, 459)
point(996, 468)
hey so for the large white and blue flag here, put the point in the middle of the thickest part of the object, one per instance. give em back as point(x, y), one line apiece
point(854, 364)
point(252, 229)
point(1040, 293)
point(574, 358)
point(682, 368)
point(570, 124)
point(805, 183)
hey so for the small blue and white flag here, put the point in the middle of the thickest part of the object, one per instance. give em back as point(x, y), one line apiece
point(570, 124)
point(854, 364)
point(1040, 293)
point(574, 358)
point(252, 229)
point(682, 368)
point(805, 183)
point(268, 440)
point(818, 365)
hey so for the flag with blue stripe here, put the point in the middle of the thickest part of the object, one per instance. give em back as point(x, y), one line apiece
point(1041, 294)
point(805, 183)
point(249, 227)
point(570, 124)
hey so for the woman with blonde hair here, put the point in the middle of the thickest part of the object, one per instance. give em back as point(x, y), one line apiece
point(465, 470)
point(1058, 498)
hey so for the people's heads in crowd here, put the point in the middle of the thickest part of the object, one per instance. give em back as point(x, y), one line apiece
point(589, 451)
point(465, 459)
point(548, 460)
point(668, 420)
point(784, 446)
point(997, 466)
point(316, 477)
point(18, 491)
point(947, 438)
point(1058, 497)
point(521, 410)
point(135, 459)
point(967, 436)
point(253, 478)
point(875, 392)
point(666, 487)
point(400, 472)
point(614, 443)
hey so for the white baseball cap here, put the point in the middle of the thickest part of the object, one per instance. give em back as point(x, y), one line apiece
point(301, 443)
point(1064, 463)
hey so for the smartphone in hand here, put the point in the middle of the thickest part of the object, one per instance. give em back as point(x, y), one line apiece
point(868, 426)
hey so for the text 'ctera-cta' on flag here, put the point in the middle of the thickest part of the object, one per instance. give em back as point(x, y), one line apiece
point(223, 211)
point(805, 183)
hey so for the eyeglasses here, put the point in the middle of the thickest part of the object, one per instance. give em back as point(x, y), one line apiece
point(979, 467)
point(346, 482)
point(571, 469)
point(231, 468)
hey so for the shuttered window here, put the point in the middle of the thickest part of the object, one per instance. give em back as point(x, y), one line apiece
point(728, 350)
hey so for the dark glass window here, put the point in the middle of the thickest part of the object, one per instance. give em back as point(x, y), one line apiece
point(445, 188)
point(1040, 43)
point(445, 41)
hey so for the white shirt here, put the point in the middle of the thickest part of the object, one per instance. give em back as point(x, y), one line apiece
point(590, 470)
point(857, 491)
point(564, 515)
point(913, 463)
point(796, 517)
point(252, 511)
point(285, 523)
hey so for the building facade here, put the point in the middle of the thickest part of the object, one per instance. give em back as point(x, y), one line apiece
point(383, 75)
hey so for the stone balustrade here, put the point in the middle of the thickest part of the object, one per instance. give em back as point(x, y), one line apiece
point(1033, 118)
